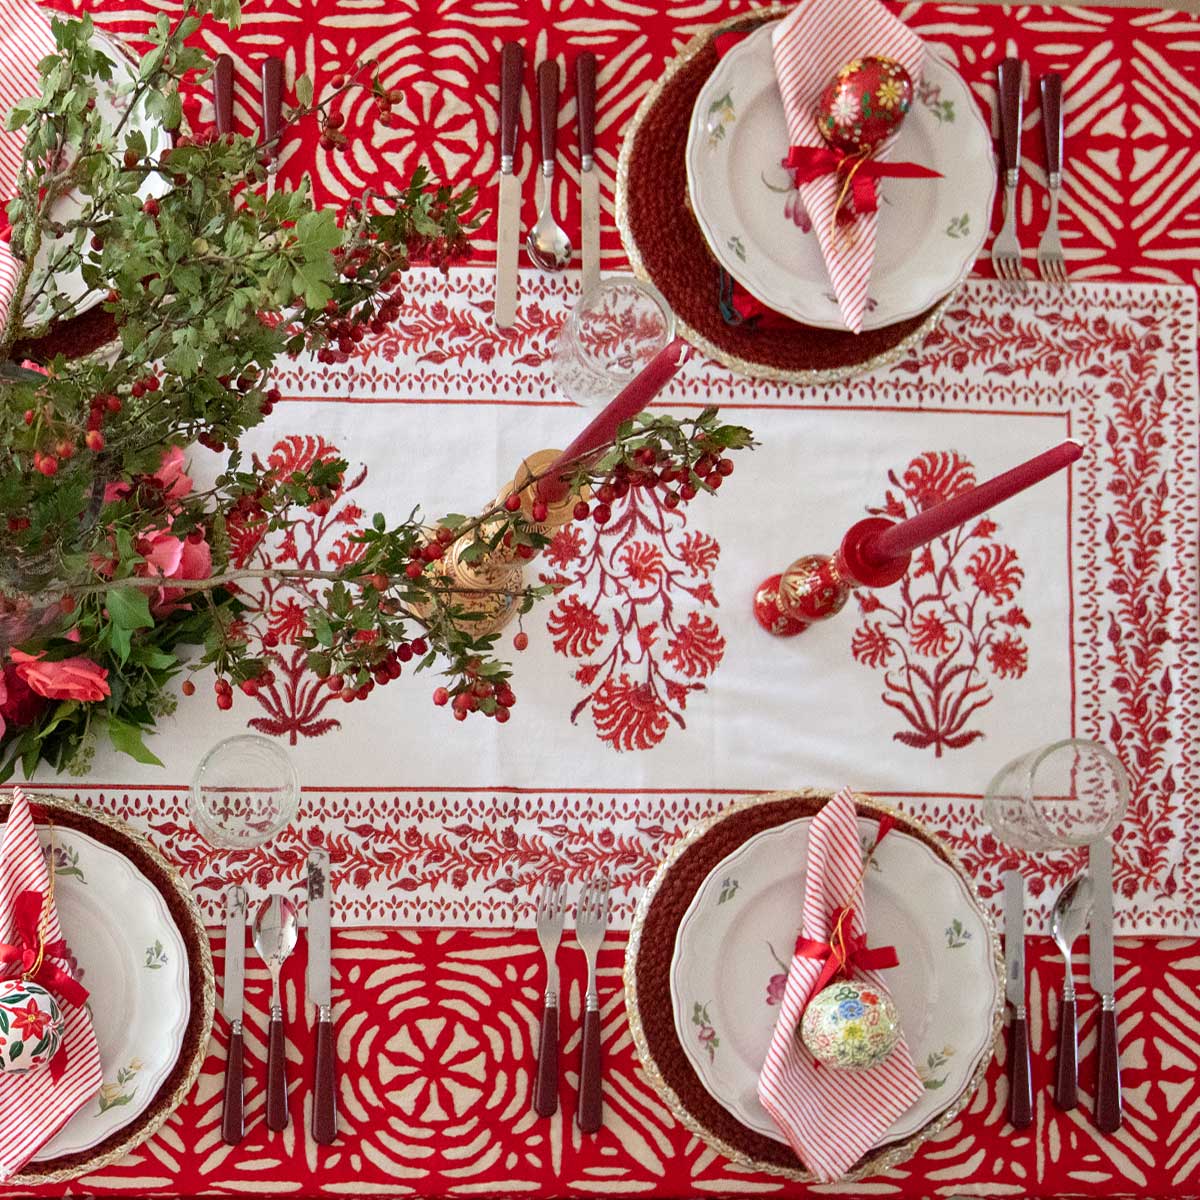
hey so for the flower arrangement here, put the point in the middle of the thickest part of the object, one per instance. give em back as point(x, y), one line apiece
point(119, 571)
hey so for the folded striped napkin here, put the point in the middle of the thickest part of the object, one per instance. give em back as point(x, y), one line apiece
point(831, 1117)
point(810, 45)
point(35, 1106)
point(25, 39)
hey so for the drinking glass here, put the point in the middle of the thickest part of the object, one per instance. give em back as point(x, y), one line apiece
point(244, 791)
point(1066, 794)
point(615, 329)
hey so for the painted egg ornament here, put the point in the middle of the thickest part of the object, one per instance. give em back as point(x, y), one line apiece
point(864, 105)
point(31, 1026)
point(850, 1025)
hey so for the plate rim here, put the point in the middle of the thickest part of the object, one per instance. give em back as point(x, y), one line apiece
point(176, 1034)
point(762, 835)
point(791, 311)
point(872, 1164)
point(34, 1174)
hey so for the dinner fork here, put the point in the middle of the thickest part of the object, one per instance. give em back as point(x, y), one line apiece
point(1049, 254)
point(550, 909)
point(591, 920)
point(1006, 250)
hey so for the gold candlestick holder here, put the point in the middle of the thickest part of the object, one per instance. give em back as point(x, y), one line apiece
point(488, 588)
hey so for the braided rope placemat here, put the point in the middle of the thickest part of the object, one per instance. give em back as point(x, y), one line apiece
point(651, 1010)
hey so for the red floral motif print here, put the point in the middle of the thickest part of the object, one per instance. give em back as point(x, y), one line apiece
point(945, 610)
point(648, 653)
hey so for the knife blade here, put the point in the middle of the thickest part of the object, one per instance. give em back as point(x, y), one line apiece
point(1103, 976)
point(508, 228)
point(319, 984)
point(1020, 1079)
point(232, 998)
point(589, 177)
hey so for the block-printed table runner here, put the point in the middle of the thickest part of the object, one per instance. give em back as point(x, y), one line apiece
point(435, 1027)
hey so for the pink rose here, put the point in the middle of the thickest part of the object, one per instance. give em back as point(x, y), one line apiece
point(68, 679)
point(175, 481)
point(170, 557)
point(195, 562)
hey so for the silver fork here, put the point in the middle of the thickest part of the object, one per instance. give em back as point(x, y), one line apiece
point(550, 909)
point(1006, 250)
point(1051, 264)
point(591, 920)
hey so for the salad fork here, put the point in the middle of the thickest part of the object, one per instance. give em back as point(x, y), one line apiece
point(1049, 253)
point(550, 909)
point(591, 920)
point(1006, 250)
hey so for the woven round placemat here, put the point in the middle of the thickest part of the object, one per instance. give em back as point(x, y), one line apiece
point(111, 832)
point(651, 1010)
point(665, 245)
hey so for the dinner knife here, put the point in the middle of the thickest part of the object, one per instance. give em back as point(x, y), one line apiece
point(1103, 976)
point(320, 992)
point(589, 177)
point(232, 1121)
point(272, 114)
point(223, 93)
point(1020, 1084)
point(508, 233)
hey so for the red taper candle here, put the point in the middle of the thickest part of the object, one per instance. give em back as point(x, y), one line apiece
point(631, 400)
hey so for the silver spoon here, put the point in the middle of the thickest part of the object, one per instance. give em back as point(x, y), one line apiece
point(275, 928)
point(1072, 910)
point(548, 246)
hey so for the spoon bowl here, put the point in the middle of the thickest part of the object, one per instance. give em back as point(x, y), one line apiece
point(276, 927)
point(1071, 913)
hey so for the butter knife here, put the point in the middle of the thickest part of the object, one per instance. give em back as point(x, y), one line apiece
point(1020, 1083)
point(232, 1121)
point(589, 178)
point(1103, 975)
point(508, 231)
point(319, 985)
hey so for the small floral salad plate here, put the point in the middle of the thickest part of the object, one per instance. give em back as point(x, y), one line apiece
point(930, 230)
point(736, 939)
point(131, 957)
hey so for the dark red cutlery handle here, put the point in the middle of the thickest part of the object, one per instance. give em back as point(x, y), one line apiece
point(272, 100)
point(324, 1113)
point(1020, 1083)
point(545, 1087)
point(223, 93)
point(233, 1124)
point(1052, 122)
point(512, 64)
point(591, 1102)
point(1011, 105)
point(547, 87)
point(1066, 1081)
point(585, 102)
point(1108, 1075)
point(277, 1098)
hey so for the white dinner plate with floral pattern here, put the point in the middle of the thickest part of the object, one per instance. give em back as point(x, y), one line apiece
point(129, 954)
point(736, 938)
point(930, 230)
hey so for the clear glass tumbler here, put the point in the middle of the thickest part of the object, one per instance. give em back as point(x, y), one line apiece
point(1066, 794)
point(614, 330)
point(244, 791)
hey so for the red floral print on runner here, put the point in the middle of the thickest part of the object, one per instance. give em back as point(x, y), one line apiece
point(938, 634)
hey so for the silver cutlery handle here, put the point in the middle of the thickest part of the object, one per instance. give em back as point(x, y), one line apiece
point(277, 1098)
point(545, 1087)
point(1011, 112)
point(591, 1102)
point(1066, 1083)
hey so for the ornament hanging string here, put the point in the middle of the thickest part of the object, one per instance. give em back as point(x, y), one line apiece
point(844, 951)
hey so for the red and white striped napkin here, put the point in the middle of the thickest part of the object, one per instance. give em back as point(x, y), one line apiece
point(34, 1107)
point(25, 39)
point(810, 45)
point(831, 1117)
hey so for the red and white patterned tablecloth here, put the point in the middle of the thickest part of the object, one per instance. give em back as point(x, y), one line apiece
point(1087, 601)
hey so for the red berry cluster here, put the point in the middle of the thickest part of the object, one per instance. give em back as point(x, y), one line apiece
point(476, 694)
point(344, 333)
point(675, 482)
point(383, 667)
point(224, 689)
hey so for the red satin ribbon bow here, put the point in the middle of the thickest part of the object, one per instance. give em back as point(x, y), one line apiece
point(28, 913)
point(813, 162)
point(849, 951)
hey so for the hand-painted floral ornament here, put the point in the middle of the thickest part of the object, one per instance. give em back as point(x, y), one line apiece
point(31, 1026)
point(864, 105)
point(850, 1025)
